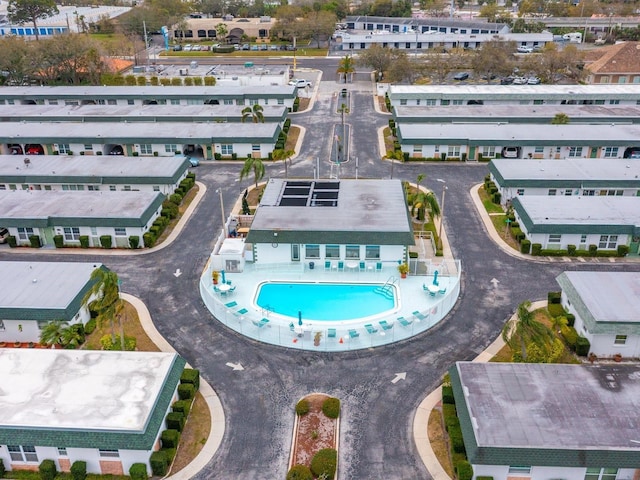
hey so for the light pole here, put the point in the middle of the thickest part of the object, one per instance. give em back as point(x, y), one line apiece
point(444, 189)
point(222, 210)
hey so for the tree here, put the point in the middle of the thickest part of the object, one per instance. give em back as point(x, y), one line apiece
point(377, 57)
point(222, 31)
point(254, 112)
point(285, 155)
point(560, 119)
point(490, 11)
point(317, 26)
point(108, 303)
point(434, 8)
point(22, 11)
point(346, 68)
point(423, 201)
point(15, 53)
point(525, 330)
point(255, 166)
point(493, 58)
point(53, 333)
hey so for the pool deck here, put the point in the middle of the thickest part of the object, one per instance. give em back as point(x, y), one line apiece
point(239, 311)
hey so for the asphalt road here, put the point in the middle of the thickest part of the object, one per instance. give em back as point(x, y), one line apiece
point(376, 437)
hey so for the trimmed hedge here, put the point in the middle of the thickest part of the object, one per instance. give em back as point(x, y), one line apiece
point(324, 463)
point(571, 249)
point(593, 250)
point(90, 326)
point(159, 463)
point(571, 319)
point(12, 241)
point(447, 394)
point(175, 421)
point(134, 241)
point(302, 407)
point(84, 241)
point(299, 472)
point(583, 346)
point(192, 376)
point(34, 240)
point(105, 241)
point(464, 470)
point(79, 470)
point(525, 246)
point(623, 250)
point(570, 336)
point(455, 437)
point(331, 407)
point(186, 391)
point(47, 470)
point(483, 477)
point(170, 438)
point(554, 297)
point(536, 248)
point(556, 310)
point(149, 239)
point(170, 453)
point(138, 471)
point(58, 241)
point(182, 406)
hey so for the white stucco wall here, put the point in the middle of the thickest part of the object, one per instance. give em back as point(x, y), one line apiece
point(281, 253)
point(501, 472)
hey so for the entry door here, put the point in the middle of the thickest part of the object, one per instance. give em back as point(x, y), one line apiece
point(295, 252)
point(594, 152)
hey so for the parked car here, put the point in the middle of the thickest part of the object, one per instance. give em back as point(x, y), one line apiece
point(519, 81)
point(537, 48)
point(506, 80)
point(300, 83)
point(524, 49)
point(245, 46)
point(633, 153)
point(194, 161)
point(511, 152)
point(4, 235)
point(177, 48)
point(264, 47)
point(273, 47)
point(461, 76)
point(196, 48)
point(491, 76)
point(533, 81)
point(116, 150)
point(187, 47)
point(254, 48)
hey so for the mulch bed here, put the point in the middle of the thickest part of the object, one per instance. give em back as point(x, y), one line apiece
point(315, 431)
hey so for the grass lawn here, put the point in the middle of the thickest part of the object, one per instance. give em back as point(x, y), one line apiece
point(186, 201)
point(500, 225)
point(195, 434)
point(294, 132)
point(438, 441)
point(489, 206)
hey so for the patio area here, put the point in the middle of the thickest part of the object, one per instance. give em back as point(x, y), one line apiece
point(416, 309)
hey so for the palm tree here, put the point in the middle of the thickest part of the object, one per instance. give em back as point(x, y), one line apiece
point(419, 180)
point(423, 201)
point(53, 333)
point(108, 303)
point(254, 165)
point(346, 68)
point(281, 154)
point(525, 330)
point(254, 112)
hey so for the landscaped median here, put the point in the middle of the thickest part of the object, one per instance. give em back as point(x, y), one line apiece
point(315, 438)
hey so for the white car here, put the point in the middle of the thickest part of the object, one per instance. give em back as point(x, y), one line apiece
point(533, 81)
point(510, 152)
point(519, 81)
point(300, 83)
point(523, 49)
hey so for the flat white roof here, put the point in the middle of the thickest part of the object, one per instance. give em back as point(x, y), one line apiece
point(33, 204)
point(595, 169)
point(67, 15)
point(80, 389)
point(42, 285)
point(609, 296)
point(609, 90)
point(523, 134)
point(259, 91)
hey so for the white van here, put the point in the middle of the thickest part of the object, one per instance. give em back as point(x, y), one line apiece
point(575, 37)
point(511, 152)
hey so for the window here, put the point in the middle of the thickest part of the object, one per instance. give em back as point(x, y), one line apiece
point(430, 102)
point(583, 239)
point(112, 102)
point(109, 453)
point(620, 340)
point(520, 191)
point(352, 251)
point(608, 241)
point(539, 150)
point(22, 453)
point(146, 149)
point(457, 102)
point(47, 187)
point(372, 252)
point(162, 101)
point(72, 188)
point(127, 188)
point(519, 469)
point(130, 102)
point(194, 101)
point(610, 152)
point(226, 149)
point(453, 151)
point(88, 146)
point(568, 192)
point(614, 102)
point(170, 147)
point(538, 102)
point(488, 151)
point(555, 238)
point(601, 474)
point(444, 102)
point(588, 193)
point(418, 101)
point(112, 188)
point(175, 101)
point(63, 148)
point(120, 232)
point(253, 102)
point(51, 102)
point(156, 188)
point(552, 192)
point(240, 101)
point(403, 101)
point(611, 193)
point(575, 151)
point(24, 232)
point(636, 79)
point(72, 233)
point(227, 101)
point(70, 102)
point(255, 148)
point(312, 251)
point(332, 251)
point(62, 451)
point(94, 231)
point(12, 186)
point(4, 187)
point(281, 101)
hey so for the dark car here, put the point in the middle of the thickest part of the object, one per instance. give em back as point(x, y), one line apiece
point(506, 81)
point(461, 76)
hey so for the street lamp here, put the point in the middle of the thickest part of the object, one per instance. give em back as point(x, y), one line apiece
point(444, 189)
point(219, 190)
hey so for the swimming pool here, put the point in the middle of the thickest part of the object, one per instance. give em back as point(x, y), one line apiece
point(326, 301)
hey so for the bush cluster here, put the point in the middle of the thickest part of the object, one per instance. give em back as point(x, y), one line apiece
point(47, 470)
point(554, 297)
point(175, 421)
point(464, 470)
point(324, 463)
point(34, 240)
point(106, 241)
point(331, 407)
point(170, 438)
point(302, 407)
point(192, 376)
point(186, 391)
point(525, 246)
point(299, 472)
point(79, 470)
point(570, 336)
point(84, 241)
point(447, 394)
point(296, 104)
point(58, 241)
point(182, 406)
point(138, 471)
point(109, 344)
point(159, 463)
point(556, 310)
point(583, 345)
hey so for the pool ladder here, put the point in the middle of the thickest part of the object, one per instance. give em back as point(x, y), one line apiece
point(386, 290)
point(267, 310)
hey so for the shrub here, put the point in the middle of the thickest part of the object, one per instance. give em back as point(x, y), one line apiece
point(175, 421)
point(496, 198)
point(464, 470)
point(58, 241)
point(134, 241)
point(108, 344)
point(536, 248)
point(34, 240)
point(47, 470)
point(138, 471)
point(159, 463)
point(570, 336)
point(571, 319)
point(79, 470)
point(299, 472)
point(192, 376)
point(171, 454)
point(217, 156)
point(170, 210)
point(186, 391)
point(593, 250)
point(447, 394)
point(324, 463)
point(149, 239)
point(170, 438)
point(525, 246)
point(105, 241)
point(583, 345)
point(90, 326)
point(12, 241)
point(302, 407)
point(483, 477)
point(84, 241)
point(451, 423)
point(331, 407)
point(175, 198)
point(571, 250)
point(182, 406)
point(623, 250)
point(518, 234)
point(514, 224)
point(554, 252)
point(455, 437)
point(555, 310)
point(554, 297)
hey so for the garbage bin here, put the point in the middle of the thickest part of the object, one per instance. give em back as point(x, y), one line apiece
point(311, 265)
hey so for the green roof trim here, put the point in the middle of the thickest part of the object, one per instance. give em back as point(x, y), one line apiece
point(479, 455)
point(346, 237)
point(50, 314)
point(104, 439)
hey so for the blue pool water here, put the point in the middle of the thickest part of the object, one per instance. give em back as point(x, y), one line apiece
point(325, 301)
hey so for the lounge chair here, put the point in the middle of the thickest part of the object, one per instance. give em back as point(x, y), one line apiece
point(231, 304)
point(228, 282)
point(327, 265)
point(442, 291)
point(370, 328)
point(260, 323)
point(419, 316)
point(241, 313)
point(378, 266)
point(353, 334)
point(216, 289)
point(341, 266)
point(232, 289)
point(385, 325)
point(404, 322)
point(331, 333)
point(363, 266)
point(292, 327)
